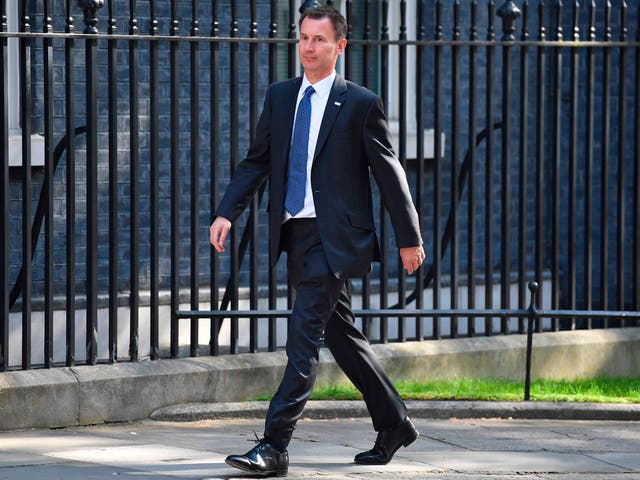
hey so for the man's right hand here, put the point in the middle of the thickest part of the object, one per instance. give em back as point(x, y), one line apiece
point(218, 233)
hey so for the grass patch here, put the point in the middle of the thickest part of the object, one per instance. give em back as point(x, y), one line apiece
point(609, 390)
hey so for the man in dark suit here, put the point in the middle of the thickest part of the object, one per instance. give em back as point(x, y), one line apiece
point(317, 140)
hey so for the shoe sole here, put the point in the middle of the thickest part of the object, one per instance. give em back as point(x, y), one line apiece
point(269, 473)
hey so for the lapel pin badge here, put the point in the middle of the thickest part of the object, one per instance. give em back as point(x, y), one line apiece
point(337, 104)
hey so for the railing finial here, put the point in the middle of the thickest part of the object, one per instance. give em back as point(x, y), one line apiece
point(308, 5)
point(90, 9)
point(509, 11)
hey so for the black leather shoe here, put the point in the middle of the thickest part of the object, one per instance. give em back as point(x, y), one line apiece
point(387, 443)
point(263, 459)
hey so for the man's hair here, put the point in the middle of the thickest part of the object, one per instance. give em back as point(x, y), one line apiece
point(327, 11)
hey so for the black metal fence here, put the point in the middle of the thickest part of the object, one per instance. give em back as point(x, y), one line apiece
point(521, 144)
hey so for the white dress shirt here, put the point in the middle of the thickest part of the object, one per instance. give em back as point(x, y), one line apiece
point(318, 104)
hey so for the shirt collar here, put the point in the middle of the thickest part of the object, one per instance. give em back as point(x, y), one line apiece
point(322, 88)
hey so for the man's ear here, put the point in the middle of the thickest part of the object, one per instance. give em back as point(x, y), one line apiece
point(342, 44)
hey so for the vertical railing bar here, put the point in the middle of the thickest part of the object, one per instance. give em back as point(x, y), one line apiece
point(636, 181)
point(508, 12)
point(174, 94)
point(4, 195)
point(194, 60)
point(622, 180)
point(233, 157)
point(366, 280)
point(437, 170)
point(153, 193)
point(214, 265)
point(91, 80)
point(402, 152)
point(573, 164)
point(25, 121)
point(112, 74)
point(488, 229)
point(540, 152)
point(471, 211)
point(384, 231)
point(523, 171)
point(273, 269)
point(47, 50)
point(253, 118)
point(420, 160)
point(69, 47)
point(134, 298)
point(604, 173)
point(291, 34)
point(588, 164)
point(134, 206)
point(453, 244)
point(556, 160)
point(348, 64)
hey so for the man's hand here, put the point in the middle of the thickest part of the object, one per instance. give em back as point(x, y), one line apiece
point(218, 233)
point(412, 258)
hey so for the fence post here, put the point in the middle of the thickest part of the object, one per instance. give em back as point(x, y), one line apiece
point(90, 8)
point(531, 315)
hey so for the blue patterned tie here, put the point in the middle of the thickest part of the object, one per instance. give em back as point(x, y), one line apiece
point(297, 178)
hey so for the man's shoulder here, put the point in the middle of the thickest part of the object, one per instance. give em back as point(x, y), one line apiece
point(360, 91)
point(285, 85)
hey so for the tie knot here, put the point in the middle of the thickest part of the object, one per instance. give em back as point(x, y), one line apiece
point(309, 91)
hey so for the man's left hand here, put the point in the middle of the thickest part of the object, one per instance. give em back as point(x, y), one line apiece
point(412, 258)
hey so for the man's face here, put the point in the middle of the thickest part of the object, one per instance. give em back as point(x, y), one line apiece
point(319, 48)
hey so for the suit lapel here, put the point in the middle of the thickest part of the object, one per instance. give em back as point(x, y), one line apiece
point(284, 115)
point(334, 105)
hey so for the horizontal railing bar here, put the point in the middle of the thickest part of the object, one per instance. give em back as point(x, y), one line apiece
point(354, 41)
point(388, 312)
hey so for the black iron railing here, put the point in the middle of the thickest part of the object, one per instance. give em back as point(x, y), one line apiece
point(521, 142)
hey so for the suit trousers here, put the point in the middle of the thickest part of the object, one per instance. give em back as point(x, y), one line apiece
point(322, 311)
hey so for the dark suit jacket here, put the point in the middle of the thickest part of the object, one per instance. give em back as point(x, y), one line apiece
point(353, 140)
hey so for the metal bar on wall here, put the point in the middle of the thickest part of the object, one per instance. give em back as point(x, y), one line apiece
point(4, 194)
point(154, 112)
point(636, 174)
point(420, 167)
point(402, 151)
point(605, 136)
point(25, 122)
point(91, 82)
point(488, 194)
point(47, 50)
point(366, 35)
point(523, 165)
point(588, 163)
point(437, 169)
point(384, 231)
point(541, 66)
point(471, 191)
point(233, 160)
point(253, 119)
point(214, 109)
point(508, 12)
point(114, 271)
point(134, 201)
point(174, 94)
point(573, 164)
point(555, 165)
point(621, 173)
point(194, 60)
point(273, 269)
point(453, 188)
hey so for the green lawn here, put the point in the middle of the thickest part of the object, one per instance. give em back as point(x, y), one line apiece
point(616, 390)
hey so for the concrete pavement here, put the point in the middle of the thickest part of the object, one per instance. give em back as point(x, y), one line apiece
point(457, 449)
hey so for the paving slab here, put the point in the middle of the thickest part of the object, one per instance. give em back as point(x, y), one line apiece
point(455, 449)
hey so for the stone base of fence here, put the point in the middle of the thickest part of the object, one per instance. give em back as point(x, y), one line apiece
point(130, 391)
